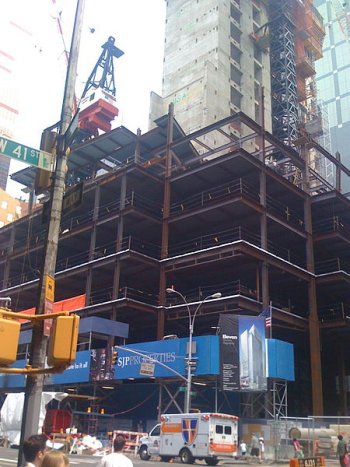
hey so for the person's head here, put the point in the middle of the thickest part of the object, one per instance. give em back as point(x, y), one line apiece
point(118, 443)
point(55, 459)
point(340, 437)
point(34, 449)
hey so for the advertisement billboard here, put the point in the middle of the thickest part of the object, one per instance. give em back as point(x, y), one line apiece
point(242, 353)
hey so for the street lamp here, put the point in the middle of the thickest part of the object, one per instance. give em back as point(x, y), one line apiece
point(191, 319)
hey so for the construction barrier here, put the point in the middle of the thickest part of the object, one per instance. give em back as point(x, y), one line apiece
point(308, 462)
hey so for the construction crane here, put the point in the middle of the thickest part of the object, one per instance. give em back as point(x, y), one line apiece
point(98, 104)
point(97, 108)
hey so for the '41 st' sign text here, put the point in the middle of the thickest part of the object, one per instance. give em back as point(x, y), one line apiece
point(43, 160)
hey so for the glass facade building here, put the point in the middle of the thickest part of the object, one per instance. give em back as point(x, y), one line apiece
point(333, 75)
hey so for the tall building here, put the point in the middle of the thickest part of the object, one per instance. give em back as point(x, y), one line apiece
point(333, 75)
point(252, 56)
point(8, 99)
point(213, 65)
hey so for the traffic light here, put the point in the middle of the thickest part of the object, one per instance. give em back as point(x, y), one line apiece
point(63, 341)
point(114, 356)
point(9, 336)
point(43, 177)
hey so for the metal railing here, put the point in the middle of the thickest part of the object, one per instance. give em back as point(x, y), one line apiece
point(101, 251)
point(334, 312)
point(332, 265)
point(226, 289)
point(231, 235)
point(218, 193)
point(211, 240)
point(105, 295)
point(332, 224)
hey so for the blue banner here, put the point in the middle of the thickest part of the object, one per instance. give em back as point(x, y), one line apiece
point(168, 357)
point(78, 372)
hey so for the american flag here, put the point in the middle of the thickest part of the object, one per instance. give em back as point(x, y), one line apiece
point(267, 315)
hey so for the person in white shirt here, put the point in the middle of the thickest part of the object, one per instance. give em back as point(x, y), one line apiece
point(34, 449)
point(243, 447)
point(262, 449)
point(116, 458)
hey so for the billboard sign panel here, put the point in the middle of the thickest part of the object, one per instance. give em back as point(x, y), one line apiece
point(229, 352)
point(242, 353)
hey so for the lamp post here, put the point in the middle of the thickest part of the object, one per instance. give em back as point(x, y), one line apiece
point(191, 319)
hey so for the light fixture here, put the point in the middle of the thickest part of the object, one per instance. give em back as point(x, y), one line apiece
point(198, 383)
point(107, 387)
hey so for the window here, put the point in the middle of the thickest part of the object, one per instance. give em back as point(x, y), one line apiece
point(2, 223)
point(326, 88)
point(155, 431)
point(219, 429)
point(18, 210)
point(256, 14)
point(344, 80)
point(4, 204)
point(332, 113)
point(236, 75)
point(235, 97)
point(342, 54)
point(345, 108)
point(338, 34)
point(9, 217)
point(235, 53)
point(228, 430)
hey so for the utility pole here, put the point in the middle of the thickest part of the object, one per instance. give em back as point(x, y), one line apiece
point(34, 384)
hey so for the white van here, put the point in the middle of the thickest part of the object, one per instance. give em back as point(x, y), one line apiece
point(207, 436)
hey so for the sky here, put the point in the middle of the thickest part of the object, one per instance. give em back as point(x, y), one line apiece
point(138, 27)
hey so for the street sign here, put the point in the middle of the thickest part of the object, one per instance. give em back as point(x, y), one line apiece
point(147, 369)
point(49, 299)
point(71, 130)
point(49, 288)
point(72, 198)
point(42, 159)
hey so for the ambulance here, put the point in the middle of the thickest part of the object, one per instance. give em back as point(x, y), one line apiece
point(191, 436)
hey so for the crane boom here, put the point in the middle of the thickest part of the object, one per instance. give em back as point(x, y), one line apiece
point(105, 65)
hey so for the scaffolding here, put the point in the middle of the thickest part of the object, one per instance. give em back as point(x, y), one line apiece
point(283, 72)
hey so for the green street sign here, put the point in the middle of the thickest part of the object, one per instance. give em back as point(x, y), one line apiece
point(42, 159)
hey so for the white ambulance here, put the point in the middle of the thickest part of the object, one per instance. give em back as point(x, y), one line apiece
point(207, 436)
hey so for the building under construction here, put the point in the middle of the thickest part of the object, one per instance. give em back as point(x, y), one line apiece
point(165, 216)
point(237, 204)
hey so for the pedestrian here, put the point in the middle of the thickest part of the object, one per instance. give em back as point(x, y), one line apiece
point(261, 449)
point(55, 459)
point(341, 450)
point(34, 449)
point(243, 447)
point(116, 459)
point(254, 451)
point(298, 450)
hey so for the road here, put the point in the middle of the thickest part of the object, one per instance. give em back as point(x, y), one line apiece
point(8, 458)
